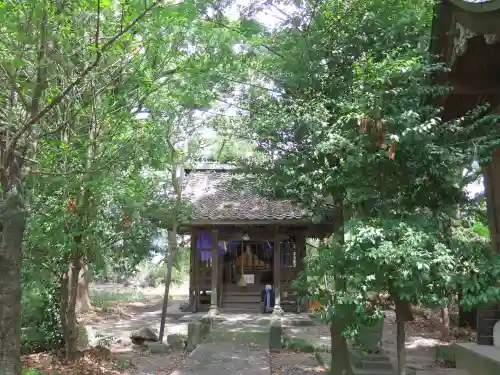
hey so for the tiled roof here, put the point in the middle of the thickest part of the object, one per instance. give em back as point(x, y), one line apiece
point(225, 195)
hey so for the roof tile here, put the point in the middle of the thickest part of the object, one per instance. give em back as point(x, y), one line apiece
point(227, 195)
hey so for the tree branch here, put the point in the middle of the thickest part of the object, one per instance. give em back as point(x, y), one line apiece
point(12, 81)
point(57, 100)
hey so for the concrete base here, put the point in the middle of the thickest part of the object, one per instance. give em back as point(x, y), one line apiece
point(278, 311)
point(477, 359)
point(214, 311)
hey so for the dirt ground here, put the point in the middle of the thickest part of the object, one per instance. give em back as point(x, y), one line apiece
point(112, 323)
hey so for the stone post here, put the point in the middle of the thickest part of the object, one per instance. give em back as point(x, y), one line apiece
point(275, 333)
point(215, 276)
point(277, 277)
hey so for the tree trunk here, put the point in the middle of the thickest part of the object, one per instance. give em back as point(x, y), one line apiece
point(83, 290)
point(68, 317)
point(63, 304)
point(340, 363)
point(401, 314)
point(445, 319)
point(12, 223)
point(172, 246)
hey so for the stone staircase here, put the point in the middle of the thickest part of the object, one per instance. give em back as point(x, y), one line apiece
point(238, 300)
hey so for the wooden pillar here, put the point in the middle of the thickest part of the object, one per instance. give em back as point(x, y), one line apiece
point(215, 275)
point(301, 255)
point(277, 276)
point(192, 285)
point(487, 316)
point(195, 274)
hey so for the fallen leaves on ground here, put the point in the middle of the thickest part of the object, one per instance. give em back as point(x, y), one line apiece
point(293, 362)
point(158, 364)
point(430, 321)
point(102, 362)
point(90, 363)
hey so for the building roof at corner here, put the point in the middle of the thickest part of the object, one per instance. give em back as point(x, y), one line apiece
point(477, 5)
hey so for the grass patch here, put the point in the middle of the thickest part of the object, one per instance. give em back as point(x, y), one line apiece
point(32, 371)
point(445, 356)
point(302, 345)
point(298, 344)
point(237, 336)
point(102, 298)
point(123, 364)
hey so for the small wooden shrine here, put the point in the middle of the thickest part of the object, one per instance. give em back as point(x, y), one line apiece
point(466, 36)
point(241, 241)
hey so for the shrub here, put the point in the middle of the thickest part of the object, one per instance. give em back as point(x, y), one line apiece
point(40, 322)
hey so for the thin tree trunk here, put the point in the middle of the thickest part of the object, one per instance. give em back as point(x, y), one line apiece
point(172, 246)
point(445, 319)
point(340, 363)
point(70, 331)
point(401, 312)
point(63, 304)
point(12, 223)
point(83, 290)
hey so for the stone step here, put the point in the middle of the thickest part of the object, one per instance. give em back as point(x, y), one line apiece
point(239, 293)
point(243, 304)
point(239, 310)
point(240, 298)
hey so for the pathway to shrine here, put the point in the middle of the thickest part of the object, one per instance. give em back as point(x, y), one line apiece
point(239, 344)
point(233, 347)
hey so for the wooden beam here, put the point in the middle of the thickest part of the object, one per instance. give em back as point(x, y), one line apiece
point(277, 277)
point(196, 264)
point(475, 89)
point(192, 273)
point(214, 310)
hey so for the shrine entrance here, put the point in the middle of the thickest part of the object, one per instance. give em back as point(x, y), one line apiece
point(242, 241)
point(248, 263)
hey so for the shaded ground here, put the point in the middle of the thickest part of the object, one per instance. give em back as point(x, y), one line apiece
point(120, 311)
point(290, 362)
point(145, 311)
point(237, 346)
point(422, 338)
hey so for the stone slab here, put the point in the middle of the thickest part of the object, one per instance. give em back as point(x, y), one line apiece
point(442, 371)
point(477, 359)
point(225, 359)
point(234, 347)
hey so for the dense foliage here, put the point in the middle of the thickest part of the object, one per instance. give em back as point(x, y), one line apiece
point(349, 128)
point(103, 102)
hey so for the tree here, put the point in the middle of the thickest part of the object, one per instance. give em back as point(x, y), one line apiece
point(346, 121)
point(53, 80)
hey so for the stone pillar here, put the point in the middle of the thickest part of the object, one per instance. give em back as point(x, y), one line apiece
point(215, 276)
point(277, 277)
